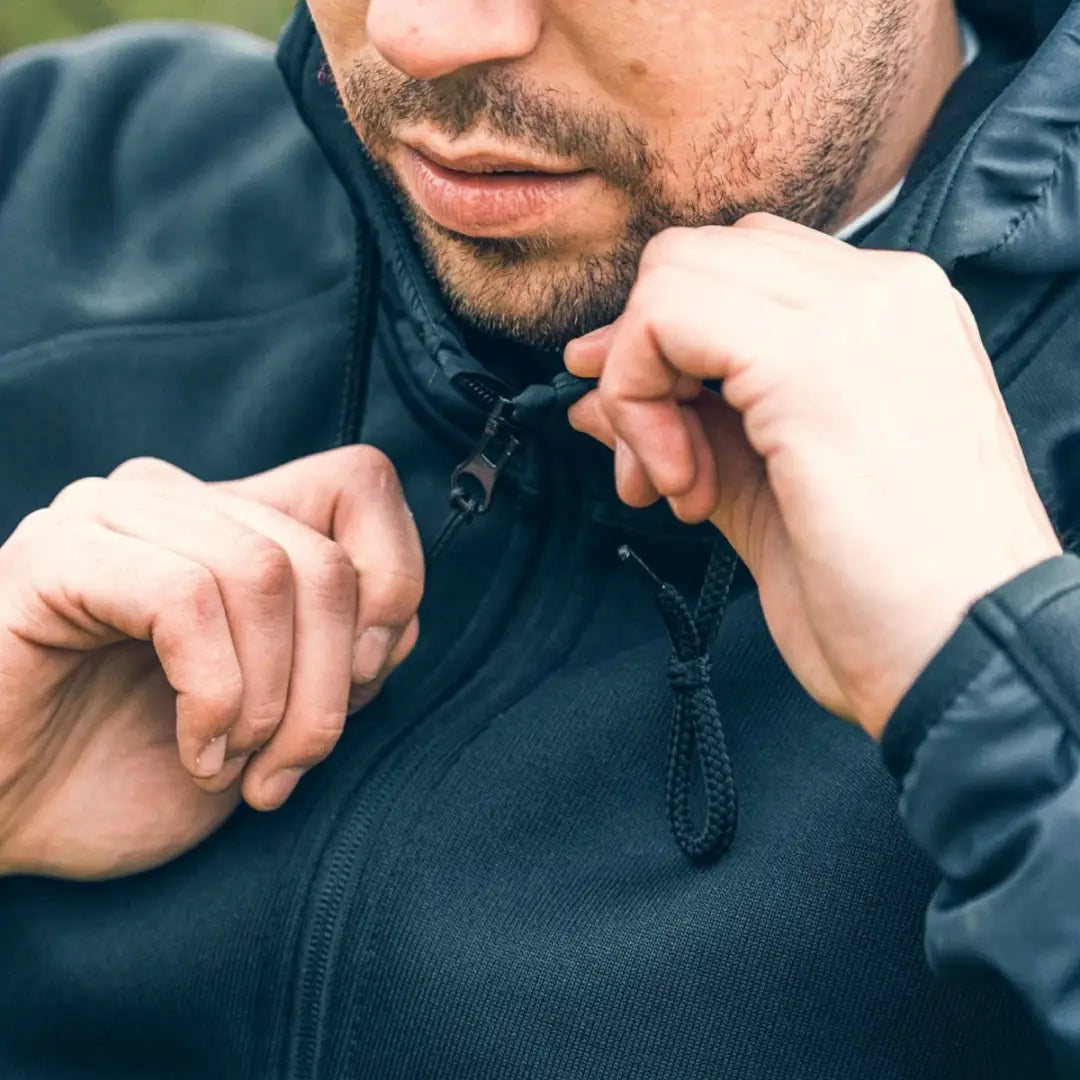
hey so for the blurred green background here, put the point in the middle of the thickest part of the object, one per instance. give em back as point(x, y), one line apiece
point(25, 21)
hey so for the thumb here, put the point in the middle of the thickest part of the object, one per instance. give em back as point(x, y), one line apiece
point(307, 490)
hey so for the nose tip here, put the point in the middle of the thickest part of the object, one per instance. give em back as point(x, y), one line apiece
point(426, 44)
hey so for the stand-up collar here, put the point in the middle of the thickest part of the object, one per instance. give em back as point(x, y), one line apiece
point(996, 200)
point(445, 363)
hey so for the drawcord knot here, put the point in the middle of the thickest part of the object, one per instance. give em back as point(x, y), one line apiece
point(696, 727)
point(689, 676)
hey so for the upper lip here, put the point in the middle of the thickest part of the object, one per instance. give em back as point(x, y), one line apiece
point(482, 162)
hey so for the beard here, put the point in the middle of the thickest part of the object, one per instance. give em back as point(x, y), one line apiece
point(529, 290)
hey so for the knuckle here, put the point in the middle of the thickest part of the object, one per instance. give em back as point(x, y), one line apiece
point(663, 248)
point(614, 405)
point(214, 707)
point(650, 293)
point(255, 730)
point(371, 463)
point(758, 219)
point(962, 305)
point(33, 528)
point(141, 468)
point(194, 597)
point(33, 540)
point(330, 573)
point(878, 295)
point(393, 597)
point(920, 271)
point(265, 566)
point(320, 739)
point(85, 492)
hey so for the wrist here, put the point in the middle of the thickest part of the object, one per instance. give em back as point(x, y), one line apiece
point(939, 621)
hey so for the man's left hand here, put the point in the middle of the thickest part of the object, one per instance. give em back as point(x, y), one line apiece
point(859, 457)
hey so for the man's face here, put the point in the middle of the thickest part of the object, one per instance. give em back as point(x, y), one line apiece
point(627, 116)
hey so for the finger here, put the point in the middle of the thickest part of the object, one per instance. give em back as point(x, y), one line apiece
point(588, 417)
point(353, 495)
point(701, 500)
point(254, 575)
point(681, 322)
point(85, 586)
point(584, 356)
point(324, 640)
point(778, 230)
point(740, 474)
point(364, 693)
point(786, 268)
point(632, 483)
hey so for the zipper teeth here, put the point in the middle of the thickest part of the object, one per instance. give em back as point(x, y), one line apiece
point(308, 1055)
point(320, 949)
point(318, 954)
point(478, 390)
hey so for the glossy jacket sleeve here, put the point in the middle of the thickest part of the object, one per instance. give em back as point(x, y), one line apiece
point(987, 748)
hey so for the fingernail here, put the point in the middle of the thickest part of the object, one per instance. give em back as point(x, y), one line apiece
point(232, 771)
point(277, 787)
point(211, 758)
point(371, 653)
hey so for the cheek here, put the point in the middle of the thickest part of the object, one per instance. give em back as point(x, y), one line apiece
point(671, 68)
point(342, 27)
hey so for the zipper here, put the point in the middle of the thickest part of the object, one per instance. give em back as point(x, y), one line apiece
point(306, 1038)
point(472, 489)
point(473, 482)
point(473, 485)
point(403, 762)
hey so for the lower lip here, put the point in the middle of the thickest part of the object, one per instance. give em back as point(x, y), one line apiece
point(487, 204)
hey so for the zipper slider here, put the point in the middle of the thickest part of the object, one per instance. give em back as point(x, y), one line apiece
point(473, 482)
point(486, 463)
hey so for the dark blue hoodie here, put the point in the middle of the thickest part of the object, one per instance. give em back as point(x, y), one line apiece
point(482, 882)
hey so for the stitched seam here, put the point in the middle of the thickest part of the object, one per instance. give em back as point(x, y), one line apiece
point(348, 389)
point(362, 319)
point(1052, 598)
point(1053, 179)
point(951, 178)
point(915, 734)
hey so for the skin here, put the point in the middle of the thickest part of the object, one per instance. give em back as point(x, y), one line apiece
point(169, 648)
point(690, 112)
point(861, 462)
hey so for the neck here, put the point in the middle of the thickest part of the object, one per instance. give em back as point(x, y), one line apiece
point(938, 58)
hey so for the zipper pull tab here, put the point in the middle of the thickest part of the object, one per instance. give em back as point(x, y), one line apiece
point(473, 482)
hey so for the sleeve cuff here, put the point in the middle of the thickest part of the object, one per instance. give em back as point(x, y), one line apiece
point(993, 625)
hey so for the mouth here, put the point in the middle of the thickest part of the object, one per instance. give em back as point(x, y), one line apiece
point(484, 163)
point(488, 194)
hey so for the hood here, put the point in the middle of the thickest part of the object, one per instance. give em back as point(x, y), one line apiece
point(1006, 197)
point(995, 194)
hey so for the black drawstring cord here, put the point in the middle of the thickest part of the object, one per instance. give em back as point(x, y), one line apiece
point(462, 511)
point(696, 724)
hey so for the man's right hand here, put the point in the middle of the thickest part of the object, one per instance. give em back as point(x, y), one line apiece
point(169, 647)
